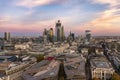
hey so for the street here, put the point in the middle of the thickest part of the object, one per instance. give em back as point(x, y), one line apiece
point(61, 74)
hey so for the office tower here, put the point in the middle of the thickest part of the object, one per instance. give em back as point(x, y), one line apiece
point(45, 36)
point(88, 35)
point(51, 35)
point(72, 36)
point(59, 31)
point(1, 44)
point(62, 34)
point(7, 36)
point(69, 39)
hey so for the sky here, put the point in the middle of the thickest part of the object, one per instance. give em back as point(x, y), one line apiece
point(30, 17)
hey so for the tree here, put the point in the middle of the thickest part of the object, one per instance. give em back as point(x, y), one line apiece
point(95, 78)
point(91, 50)
point(39, 57)
point(115, 76)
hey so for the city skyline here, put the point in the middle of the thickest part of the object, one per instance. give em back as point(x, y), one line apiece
point(30, 17)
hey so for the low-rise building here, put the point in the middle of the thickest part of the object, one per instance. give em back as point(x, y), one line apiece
point(84, 50)
point(61, 48)
point(116, 60)
point(13, 71)
point(101, 68)
point(44, 70)
point(75, 68)
point(9, 46)
point(99, 51)
point(22, 46)
point(7, 58)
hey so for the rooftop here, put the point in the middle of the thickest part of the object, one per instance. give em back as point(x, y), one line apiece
point(42, 70)
point(100, 63)
point(75, 66)
point(5, 57)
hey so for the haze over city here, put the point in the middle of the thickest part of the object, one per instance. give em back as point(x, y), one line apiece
point(30, 17)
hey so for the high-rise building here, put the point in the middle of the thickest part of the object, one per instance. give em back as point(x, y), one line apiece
point(1, 44)
point(72, 36)
point(7, 36)
point(88, 35)
point(62, 33)
point(51, 35)
point(59, 31)
point(45, 36)
point(48, 35)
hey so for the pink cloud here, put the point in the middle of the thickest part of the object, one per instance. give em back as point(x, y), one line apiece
point(103, 26)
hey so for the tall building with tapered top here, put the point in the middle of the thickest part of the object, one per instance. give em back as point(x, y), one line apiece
point(59, 31)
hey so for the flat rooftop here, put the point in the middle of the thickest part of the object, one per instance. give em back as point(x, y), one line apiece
point(100, 63)
point(5, 57)
point(42, 70)
point(75, 66)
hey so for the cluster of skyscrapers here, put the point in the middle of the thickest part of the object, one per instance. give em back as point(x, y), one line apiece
point(54, 56)
point(48, 35)
point(56, 35)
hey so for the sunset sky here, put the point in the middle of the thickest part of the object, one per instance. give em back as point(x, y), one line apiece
point(30, 17)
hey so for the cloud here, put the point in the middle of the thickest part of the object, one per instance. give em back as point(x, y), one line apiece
point(5, 19)
point(113, 7)
point(100, 28)
point(30, 12)
point(111, 3)
point(75, 16)
point(12, 27)
point(107, 22)
point(34, 3)
point(103, 25)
